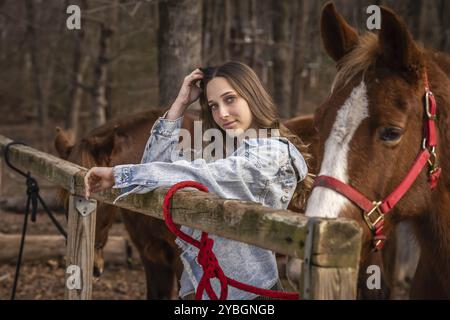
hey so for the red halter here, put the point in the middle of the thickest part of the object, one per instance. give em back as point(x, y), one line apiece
point(379, 209)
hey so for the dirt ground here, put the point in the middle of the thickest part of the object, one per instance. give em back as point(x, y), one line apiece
point(41, 280)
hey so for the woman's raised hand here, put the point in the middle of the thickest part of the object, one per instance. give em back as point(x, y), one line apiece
point(189, 91)
point(98, 179)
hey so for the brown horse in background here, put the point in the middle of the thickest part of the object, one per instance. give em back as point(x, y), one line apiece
point(123, 142)
point(371, 130)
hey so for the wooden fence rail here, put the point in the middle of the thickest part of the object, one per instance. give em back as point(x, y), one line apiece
point(330, 248)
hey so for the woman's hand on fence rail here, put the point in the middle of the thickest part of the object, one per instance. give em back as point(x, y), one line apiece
point(98, 179)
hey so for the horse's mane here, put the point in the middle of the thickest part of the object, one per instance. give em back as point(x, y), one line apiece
point(126, 123)
point(366, 53)
point(358, 60)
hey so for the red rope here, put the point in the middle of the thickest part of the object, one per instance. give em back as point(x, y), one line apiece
point(208, 260)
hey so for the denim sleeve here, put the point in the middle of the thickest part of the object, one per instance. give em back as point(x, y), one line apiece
point(243, 176)
point(234, 177)
point(163, 140)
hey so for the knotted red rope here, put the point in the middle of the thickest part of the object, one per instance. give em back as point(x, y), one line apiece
point(208, 260)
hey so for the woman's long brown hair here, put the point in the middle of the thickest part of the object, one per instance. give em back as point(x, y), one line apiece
point(247, 85)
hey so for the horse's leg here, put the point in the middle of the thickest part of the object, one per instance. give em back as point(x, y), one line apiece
point(161, 274)
point(104, 219)
point(406, 259)
point(158, 253)
point(164, 266)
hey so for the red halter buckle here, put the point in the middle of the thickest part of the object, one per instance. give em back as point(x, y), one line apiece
point(373, 225)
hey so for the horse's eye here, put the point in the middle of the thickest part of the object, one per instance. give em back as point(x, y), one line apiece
point(390, 134)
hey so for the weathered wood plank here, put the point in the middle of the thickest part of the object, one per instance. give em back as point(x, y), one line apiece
point(333, 283)
point(51, 168)
point(331, 261)
point(80, 250)
point(335, 244)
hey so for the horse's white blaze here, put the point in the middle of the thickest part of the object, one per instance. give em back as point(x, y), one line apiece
point(324, 202)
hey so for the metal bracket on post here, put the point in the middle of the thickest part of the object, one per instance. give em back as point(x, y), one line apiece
point(306, 269)
point(85, 207)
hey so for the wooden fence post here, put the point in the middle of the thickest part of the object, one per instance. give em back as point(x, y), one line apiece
point(80, 248)
point(331, 261)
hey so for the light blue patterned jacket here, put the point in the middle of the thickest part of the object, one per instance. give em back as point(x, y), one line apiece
point(264, 170)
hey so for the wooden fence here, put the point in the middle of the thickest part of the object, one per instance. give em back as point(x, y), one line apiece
point(329, 248)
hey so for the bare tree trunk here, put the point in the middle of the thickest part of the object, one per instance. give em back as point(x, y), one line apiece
point(241, 35)
point(179, 43)
point(227, 30)
point(254, 34)
point(315, 52)
point(41, 107)
point(444, 13)
point(101, 78)
point(298, 59)
point(77, 79)
point(209, 32)
point(3, 34)
point(51, 63)
point(262, 40)
point(235, 30)
point(412, 11)
point(216, 31)
point(429, 24)
point(115, 45)
point(282, 56)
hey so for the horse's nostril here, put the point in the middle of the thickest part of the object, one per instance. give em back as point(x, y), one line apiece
point(97, 272)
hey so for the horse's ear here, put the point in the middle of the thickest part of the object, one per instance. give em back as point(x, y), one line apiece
point(397, 45)
point(338, 37)
point(63, 143)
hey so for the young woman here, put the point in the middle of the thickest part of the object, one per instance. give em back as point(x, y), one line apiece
point(269, 168)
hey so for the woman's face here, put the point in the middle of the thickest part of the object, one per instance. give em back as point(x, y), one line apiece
point(230, 111)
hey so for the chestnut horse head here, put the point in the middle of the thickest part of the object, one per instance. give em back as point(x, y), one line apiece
point(380, 140)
